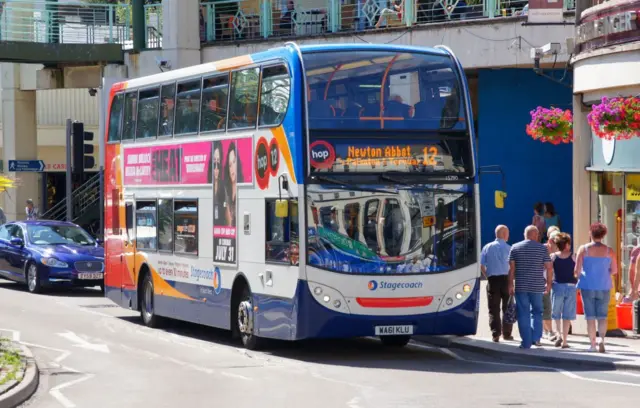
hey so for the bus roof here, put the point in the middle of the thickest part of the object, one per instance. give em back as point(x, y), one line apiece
point(244, 60)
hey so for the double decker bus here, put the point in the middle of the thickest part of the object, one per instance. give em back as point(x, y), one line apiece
point(301, 192)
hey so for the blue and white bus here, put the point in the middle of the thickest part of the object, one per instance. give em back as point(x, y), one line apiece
point(302, 192)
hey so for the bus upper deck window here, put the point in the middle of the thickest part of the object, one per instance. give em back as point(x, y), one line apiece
point(130, 112)
point(115, 118)
point(188, 107)
point(148, 105)
point(167, 109)
point(274, 98)
point(213, 113)
point(243, 106)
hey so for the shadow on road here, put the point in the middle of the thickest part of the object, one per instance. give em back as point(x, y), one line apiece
point(54, 291)
point(365, 353)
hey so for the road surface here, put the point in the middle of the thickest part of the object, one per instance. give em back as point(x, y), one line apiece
point(94, 354)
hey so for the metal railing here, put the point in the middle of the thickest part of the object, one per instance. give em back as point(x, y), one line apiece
point(84, 198)
point(76, 23)
point(248, 19)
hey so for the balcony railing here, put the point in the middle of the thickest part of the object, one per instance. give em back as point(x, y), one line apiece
point(253, 19)
point(76, 23)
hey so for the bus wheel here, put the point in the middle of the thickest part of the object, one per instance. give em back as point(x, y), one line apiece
point(395, 341)
point(245, 322)
point(147, 303)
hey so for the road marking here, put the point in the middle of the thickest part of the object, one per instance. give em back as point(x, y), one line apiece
point(237, 376)
point(82, 343)
point(55, 391)
point(537, 367)
point(15, 334)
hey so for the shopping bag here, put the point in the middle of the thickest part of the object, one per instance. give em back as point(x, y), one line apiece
point(510, 314)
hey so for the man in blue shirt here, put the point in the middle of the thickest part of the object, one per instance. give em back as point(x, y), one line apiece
point(526, 261)
point(494, 264)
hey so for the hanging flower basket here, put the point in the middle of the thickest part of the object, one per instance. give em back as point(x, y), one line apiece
point(616, 118)
point(552, 125)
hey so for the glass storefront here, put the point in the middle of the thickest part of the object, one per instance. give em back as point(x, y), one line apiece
point(615, 201)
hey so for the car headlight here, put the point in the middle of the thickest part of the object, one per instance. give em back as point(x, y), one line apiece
point(54, 263)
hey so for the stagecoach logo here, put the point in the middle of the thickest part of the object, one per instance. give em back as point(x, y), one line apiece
point(217, 281)
point(321, 155)
point(373, 285)
point(89, 264)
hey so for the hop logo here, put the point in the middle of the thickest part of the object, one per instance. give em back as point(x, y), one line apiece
point(373, 285)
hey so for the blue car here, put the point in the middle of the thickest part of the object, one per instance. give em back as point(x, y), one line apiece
point(47, 253)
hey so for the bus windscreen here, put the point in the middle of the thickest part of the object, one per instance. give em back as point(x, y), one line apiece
point(383, 90)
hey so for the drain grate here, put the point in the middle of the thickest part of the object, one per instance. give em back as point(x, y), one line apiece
point(99, 306)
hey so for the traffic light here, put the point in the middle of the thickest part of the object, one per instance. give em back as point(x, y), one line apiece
point(82, 152)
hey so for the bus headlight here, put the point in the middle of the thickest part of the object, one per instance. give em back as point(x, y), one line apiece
point(329, 297)
point(457, 294)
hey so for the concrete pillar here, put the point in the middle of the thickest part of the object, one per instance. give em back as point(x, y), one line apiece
point(181, 33)
point(581, 177)
point(20, 140)
point(139, 25)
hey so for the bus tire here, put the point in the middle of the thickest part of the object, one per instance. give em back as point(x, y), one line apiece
point(395, 341)
point(244, 322)
point(147, 303)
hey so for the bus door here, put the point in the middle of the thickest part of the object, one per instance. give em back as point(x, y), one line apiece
point(129, 278)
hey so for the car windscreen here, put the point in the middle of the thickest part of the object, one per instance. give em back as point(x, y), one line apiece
point(58, 235)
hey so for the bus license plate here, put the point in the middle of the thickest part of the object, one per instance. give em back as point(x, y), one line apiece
point(394, 330)
point(90, 276)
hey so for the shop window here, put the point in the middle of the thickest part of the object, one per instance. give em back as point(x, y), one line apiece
point(188, 107)
point(351, 217)
point(215, 93)
point(146, 225)
point(165, 225)
point(148, 109)
point(244, 98)
point(282, 234)
point(167, 109)
point(274, 98)
point(185, 232)
point(130, 112)
point(115, 118)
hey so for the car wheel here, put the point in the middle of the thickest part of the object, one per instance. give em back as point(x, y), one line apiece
point(147, 303)
point(395, 341)
point(33, 278)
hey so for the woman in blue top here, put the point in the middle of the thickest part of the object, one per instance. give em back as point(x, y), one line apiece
point(551, 218)
point(595, 264)
point(563, 292)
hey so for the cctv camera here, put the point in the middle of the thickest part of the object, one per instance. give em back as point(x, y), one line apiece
point(93, 91)
point(163, 63)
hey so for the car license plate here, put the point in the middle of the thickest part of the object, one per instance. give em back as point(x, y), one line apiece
point(90, 275)
point(394, 330)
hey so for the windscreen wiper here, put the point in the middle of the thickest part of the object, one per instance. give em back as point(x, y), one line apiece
point(352, 187)
point(394, 179)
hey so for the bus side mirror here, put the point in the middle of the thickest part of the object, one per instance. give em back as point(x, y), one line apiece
point(499, 198)
point(282, 208)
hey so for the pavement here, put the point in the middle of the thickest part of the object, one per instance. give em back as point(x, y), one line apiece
point(92, 353)
point(622, 353)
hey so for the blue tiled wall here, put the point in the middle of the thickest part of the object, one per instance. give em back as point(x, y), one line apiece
point(534, 171)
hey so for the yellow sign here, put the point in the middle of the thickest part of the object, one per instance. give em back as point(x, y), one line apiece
point(428, 221)
point(612, 312)
point(633, 187)
point(397, 155)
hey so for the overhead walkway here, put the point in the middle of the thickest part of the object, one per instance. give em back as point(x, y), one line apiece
point(71, 32)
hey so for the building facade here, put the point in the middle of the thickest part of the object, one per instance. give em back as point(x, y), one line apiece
point(607, 172)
